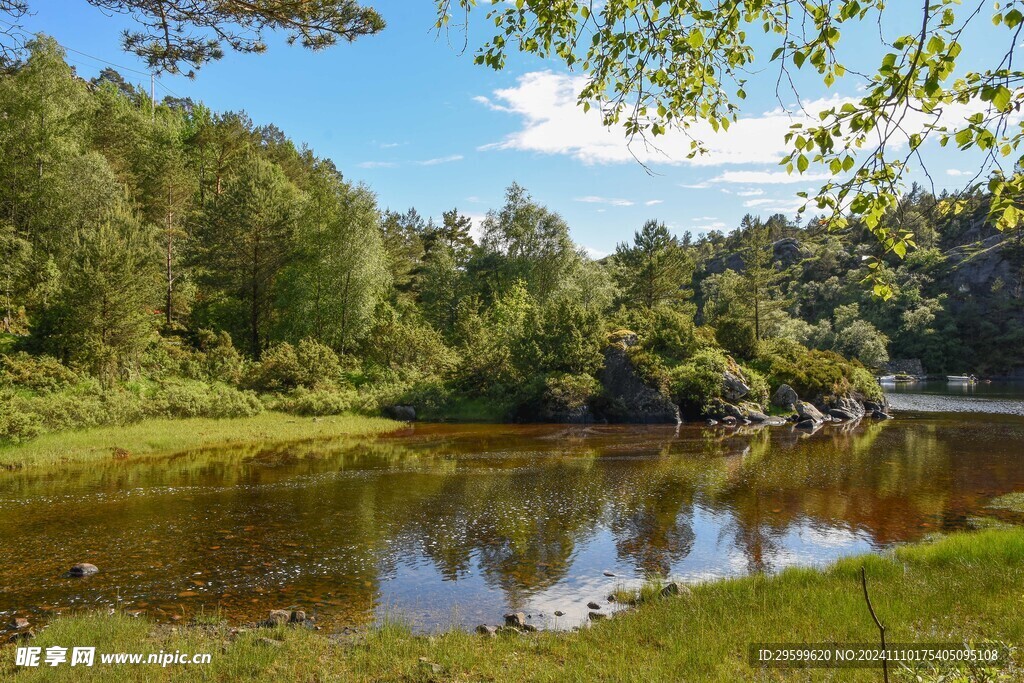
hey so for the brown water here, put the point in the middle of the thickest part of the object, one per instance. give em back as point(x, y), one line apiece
point(456, 524)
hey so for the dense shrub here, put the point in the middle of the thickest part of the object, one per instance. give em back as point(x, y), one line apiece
point(566, 393)
point(319, 401)
point(814, 374)
point(697, 384)
point(218, 357)
point(758, 383)
point(199, 399)
point(285, 367)
point(39, 373)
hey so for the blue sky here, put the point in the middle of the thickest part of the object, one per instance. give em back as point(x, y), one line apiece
point(410, 115)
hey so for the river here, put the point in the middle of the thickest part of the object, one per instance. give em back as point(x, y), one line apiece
point(442, 525)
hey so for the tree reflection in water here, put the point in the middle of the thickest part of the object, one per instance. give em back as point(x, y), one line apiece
point(491, 516)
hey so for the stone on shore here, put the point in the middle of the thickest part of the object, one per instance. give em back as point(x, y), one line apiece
point(83, 569)
point(516, 620)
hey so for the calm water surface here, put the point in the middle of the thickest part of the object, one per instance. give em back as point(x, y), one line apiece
point(456, 524)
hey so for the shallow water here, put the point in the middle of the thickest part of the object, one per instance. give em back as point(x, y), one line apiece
point(457, 524)
point(957, 397)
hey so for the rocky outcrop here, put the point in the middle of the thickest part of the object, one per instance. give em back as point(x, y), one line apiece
point(629, 398)
point(846, 408)
point(785, 252)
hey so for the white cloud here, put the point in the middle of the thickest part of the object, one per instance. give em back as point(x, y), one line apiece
point(702, 185)
point(769, 205)
point(390, 145)
point(956, 172)
point(757, 192)
point(595, 253)
point(653, 202)
point(378, 164)
point(767, 177)
point(441, 160)
point(611, 201)
point(553, 123)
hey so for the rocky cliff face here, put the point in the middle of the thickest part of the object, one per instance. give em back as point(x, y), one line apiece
point(975, 268)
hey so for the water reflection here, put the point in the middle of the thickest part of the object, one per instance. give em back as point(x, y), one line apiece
point(444, 522)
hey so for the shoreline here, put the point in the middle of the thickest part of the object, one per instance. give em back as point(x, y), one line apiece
point(164, 436)
point(951, 589)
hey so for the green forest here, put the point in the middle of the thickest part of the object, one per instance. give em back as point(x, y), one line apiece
point(174, 261)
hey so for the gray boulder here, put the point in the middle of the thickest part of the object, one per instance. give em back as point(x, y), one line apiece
point(516, 620)
point(83, 569)
point(785, 397)
point(808, 412)
point(734, 387)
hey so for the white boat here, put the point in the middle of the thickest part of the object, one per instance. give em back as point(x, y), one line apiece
point(962, 379)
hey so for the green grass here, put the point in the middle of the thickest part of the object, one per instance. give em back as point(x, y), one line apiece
point(961, 587)
point(161, 436)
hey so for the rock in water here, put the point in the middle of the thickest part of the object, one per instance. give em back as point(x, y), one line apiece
point(785, 397)
point(808, 412)
point(485, 630)
point(841, 414)
point(597, 616)
point(83, 569)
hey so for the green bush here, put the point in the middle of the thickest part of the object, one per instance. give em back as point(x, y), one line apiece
point(285, 367)
point(198, 399)
point(697, 384)
point(16, 426)
point(566, 393)
point(39, 373)
point(218, 358)
point(815, 375)
point(759, 389)
point(318, 401)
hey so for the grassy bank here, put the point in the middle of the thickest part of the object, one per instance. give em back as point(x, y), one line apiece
point(967, 586)
point(158, 436)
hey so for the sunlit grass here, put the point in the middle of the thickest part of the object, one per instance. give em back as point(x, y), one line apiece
point(961, 587)
point(158, 436)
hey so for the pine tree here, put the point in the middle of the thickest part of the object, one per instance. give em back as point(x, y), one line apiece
point(655, 269)
point(246, 238)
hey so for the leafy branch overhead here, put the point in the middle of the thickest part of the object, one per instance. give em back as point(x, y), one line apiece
point(657, 65)
point(180, 36)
